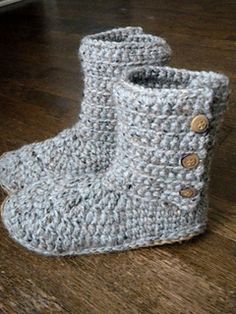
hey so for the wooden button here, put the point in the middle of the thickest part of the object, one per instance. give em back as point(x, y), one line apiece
point(199, 123)
point(190, 161)
point(188, 192)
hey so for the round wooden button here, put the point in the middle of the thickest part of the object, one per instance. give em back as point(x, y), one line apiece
point(199, 123)
point(190, 161)
point(188, 192)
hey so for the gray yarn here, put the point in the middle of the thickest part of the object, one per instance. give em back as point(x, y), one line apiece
point(137, 201)
point(89, 145)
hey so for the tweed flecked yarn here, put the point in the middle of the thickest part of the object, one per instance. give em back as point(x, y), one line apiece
point(148, 196)
point(89, 145)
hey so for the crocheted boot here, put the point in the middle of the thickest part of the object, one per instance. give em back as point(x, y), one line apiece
point(89, 145)
point(154, 192)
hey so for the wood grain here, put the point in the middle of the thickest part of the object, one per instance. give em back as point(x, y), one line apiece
point(41, 85)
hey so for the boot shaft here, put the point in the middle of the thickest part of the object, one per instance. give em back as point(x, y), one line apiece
point(104, 58)
point(167, 125)
point(106, 54)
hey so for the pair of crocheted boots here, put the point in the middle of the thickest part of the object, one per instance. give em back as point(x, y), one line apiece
point(134, 170)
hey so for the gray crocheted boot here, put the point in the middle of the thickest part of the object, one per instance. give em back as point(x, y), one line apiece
point(154, 192)
point(89, 145)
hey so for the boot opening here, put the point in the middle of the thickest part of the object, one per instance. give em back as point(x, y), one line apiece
point(160, 78)
point(116, 35)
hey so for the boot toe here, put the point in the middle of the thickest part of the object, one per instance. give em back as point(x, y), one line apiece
point(46, 218)
point(10, 179)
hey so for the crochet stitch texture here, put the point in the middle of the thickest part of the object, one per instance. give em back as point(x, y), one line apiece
point(89, 145)
point(139, 201)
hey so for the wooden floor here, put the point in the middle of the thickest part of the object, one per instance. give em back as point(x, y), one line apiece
point(40, 85)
